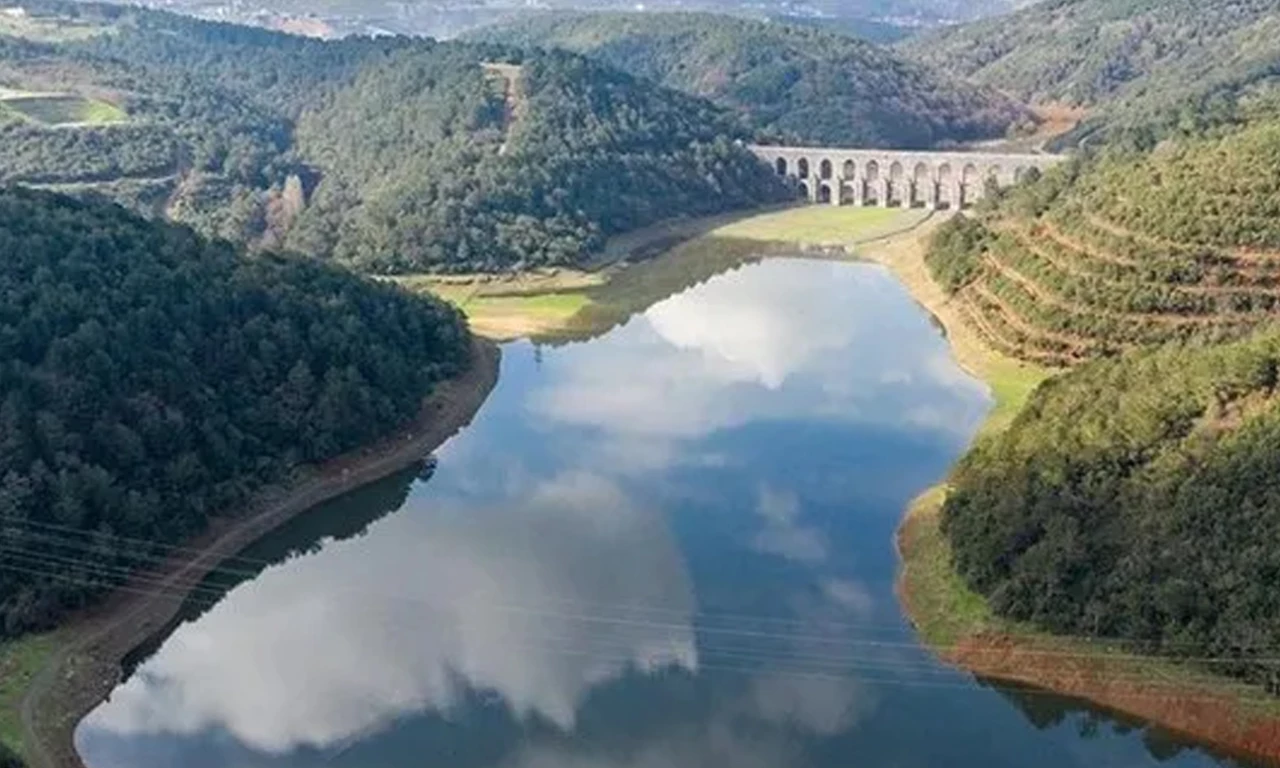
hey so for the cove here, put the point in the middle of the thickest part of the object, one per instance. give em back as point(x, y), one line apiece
point(670, 545)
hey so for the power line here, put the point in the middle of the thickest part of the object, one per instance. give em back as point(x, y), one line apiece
point(729, 620)
point(209, 596)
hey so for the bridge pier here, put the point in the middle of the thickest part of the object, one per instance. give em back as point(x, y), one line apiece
point(925, 178)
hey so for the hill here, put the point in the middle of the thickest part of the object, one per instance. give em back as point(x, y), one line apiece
point(428, 165)
point(238, 131)
point(1144, 64)
point(793, 83)
point(1126, 250)
point(1138, 498)
point(151, 379)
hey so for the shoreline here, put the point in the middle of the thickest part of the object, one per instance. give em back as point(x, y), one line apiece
point(956, 625)
point(86, 664)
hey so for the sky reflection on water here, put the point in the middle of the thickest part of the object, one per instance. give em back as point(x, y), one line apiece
point(669, 546)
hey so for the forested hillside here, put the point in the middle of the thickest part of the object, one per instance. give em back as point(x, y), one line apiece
point(1138, 498)
point(429, 166)
point(793, 83)
point(150, 379)
point(1126, 250)
point(452, 163)
point(1149, 65)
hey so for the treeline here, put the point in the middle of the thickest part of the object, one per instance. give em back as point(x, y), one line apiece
point(151, 379)
point(787, 82)
point(1139, 499)
point(60, 156)
point(406, 154)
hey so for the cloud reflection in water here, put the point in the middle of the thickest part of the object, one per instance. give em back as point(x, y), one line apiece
point(340, 643)
point(515, 577)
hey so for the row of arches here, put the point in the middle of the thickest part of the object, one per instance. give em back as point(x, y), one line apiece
point(903, 195)
point(942, 173)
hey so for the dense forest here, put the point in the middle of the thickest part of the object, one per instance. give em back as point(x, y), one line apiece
point(390, 154)
point(1124, 249)
point(1157, 67)
point(1138, 498)
point(788, 82)
point(1137, 495)
point(434, 161)
point(151, 379)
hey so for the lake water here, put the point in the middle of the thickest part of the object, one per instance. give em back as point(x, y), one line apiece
point(670, 546)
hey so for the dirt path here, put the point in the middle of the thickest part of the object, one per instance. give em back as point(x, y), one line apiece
point(84, 669)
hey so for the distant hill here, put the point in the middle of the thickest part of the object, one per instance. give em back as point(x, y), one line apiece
point(881, 32)
point(442, 20)
point(793, 83)
point(390, 154)
point(1149, 64)
point(1128, 250)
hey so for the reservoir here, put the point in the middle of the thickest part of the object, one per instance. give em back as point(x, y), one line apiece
point(669, 545)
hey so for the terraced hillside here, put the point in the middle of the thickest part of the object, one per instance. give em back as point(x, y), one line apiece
point(1180, 244)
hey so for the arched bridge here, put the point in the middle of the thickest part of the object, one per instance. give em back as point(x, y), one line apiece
point(893, 178)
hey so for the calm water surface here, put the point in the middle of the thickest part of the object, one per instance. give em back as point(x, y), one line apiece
point(668, 546)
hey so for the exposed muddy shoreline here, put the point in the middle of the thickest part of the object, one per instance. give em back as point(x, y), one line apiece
point(86, 666)
point(1214, 714)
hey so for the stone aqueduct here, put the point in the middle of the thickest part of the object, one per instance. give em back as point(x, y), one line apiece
point(893, 178)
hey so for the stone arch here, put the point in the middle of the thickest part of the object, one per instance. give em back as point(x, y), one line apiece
point(781, 166)
point(894, 192)
point(846, 193)
point(803, 190)
point(1019, 173)
point(802, 167)
point(824, 193)
point(922, 188)
point(825, 169)
point(969, 185)
point(870, 179)
point(946, 193)
point(850, 170)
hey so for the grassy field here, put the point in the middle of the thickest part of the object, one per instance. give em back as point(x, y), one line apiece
point(63, 109)
point(50, 29)
point(822, 225)
point(562, 302)
point(506, 307)
point(19, 660)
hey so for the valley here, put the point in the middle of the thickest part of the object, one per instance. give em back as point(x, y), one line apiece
point(626, 388)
